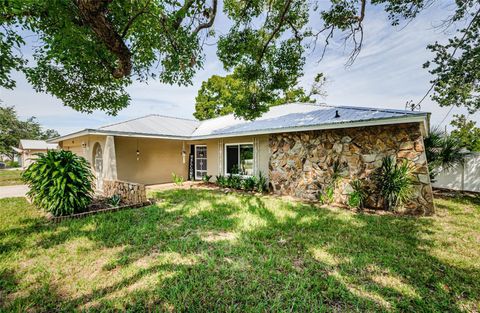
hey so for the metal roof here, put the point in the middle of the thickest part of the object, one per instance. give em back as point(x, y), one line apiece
point(27, 144)
point(282, 118)
point(298, 115)
point(155, 124)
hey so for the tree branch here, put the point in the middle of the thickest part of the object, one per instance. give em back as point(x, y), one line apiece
point(93, 14)
point(276, 30)
point(180, 14)
point(133, 18)
point(210, 21)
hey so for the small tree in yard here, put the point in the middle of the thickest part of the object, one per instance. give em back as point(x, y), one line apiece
point(60, 182)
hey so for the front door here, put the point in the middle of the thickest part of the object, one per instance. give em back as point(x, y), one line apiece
point(200, 161)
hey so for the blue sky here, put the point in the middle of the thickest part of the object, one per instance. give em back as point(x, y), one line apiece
point(387, 73)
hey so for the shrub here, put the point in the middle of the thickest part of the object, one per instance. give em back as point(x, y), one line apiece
point(234, 181)
point(12, 164)
point(261, 183)
point(115, 200)
point(221, 181)
point(249, 183)
point(178, 180)
point(356, 199)
point(206, 178)
point(443, 152)
point(60, 182)
point(327, 196)
point(394, 182)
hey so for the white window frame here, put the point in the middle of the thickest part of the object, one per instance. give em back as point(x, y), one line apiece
point(238, 144)
point(195, 163)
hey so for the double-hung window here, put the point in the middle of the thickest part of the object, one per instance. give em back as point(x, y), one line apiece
point(239, 159)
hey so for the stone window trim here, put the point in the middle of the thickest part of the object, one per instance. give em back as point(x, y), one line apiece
point(238, 144)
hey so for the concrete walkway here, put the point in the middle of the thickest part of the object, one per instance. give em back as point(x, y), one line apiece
point(13, 191)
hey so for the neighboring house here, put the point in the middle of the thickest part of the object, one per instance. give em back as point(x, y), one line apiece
point(28, 150)
point(294, 145)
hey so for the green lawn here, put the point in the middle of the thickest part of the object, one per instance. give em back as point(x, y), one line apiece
point(207, 251)
point(10, 177)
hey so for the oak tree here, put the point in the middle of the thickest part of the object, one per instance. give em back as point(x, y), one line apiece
point(87, 52)
point(221, 95)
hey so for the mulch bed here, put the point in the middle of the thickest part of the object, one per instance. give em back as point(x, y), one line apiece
point(99, 205)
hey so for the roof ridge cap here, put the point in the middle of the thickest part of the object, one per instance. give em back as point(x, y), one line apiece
point(125, 121)
point(175, 117)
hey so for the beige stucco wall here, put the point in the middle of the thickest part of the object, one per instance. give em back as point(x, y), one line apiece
point(216, 153)
point(76, 145)
point(160, 157)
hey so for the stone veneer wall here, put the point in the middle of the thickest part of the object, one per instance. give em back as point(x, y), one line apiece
point(131, 193)
point(301, 162)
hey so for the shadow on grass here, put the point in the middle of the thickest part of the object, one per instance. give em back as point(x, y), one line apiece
point(251, 254)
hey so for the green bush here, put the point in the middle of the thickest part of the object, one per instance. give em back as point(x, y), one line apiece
point(178, 180)
point(221, 181)
point(261, 183)
point(394, 182)
point(60, 182)
point(115, 200)
point(206, 178)
point(234, 181)
point(327, 196)
point(356, 199)
point(12, 164)
point(249, 183)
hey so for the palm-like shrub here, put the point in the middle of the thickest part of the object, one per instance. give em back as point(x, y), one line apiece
point(357, 198)
point(442, 151)
point(60, 182)
point(394, 182)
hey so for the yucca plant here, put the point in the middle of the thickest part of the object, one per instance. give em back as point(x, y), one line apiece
point(60, 182)
point(221, 181)
point(261, 183)
point(177, 180)
point(394, 182)
point(357, 198)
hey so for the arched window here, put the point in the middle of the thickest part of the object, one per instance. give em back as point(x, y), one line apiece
point(97, 158)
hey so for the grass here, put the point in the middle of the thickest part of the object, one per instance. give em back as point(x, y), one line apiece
point(206, 251)
point(10, 177)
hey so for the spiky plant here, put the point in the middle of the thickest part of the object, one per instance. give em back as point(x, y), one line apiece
point(394, 182)
point(261, 183)
point(60, 182)
point(357, 198)
point(443, 152)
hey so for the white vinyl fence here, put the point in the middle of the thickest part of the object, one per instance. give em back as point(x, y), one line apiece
point(463, 178)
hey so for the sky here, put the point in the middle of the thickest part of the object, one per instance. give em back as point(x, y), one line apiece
point(387, 73)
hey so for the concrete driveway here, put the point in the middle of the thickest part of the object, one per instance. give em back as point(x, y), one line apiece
point(13, 191)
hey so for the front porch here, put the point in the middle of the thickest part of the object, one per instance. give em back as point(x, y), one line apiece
point(152, 161)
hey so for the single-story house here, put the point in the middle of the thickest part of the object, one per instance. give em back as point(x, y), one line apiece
point(294, 145)
point(28, 150)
